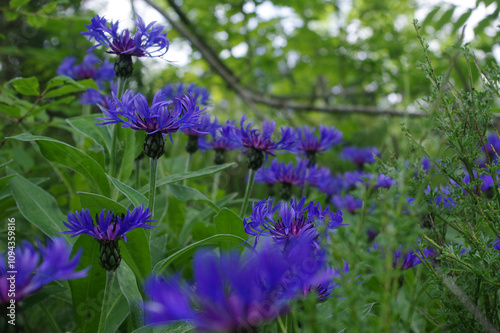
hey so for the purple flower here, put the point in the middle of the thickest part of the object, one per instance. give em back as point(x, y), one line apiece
point(309, 144)
point(331, 185)
point(347, 202)
point(410, 259)
point(440, 196)
point(492, 144)
point(200, 94)
point(164, 116)
point(34, 269)
point(108, 228)
point(107, 225)
point(147, 41)
point(360, 156)
point(257, 144)
point(384, 181)
point(292, 221)
point(221, 141)
point(234, 292)
point(280, 172)
point(88, 69)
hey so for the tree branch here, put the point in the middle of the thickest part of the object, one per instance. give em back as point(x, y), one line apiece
point(251, 97)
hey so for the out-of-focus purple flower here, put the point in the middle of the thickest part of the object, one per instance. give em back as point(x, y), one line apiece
point(371, 234)
point(285, 174)
point(410, 259)
point(108, 228)
point(220, 141)
point(360, 155)
point(384, 181)
point(496, 244)
point(291, 222)
point(309, 144)
point(234, 292)
point(347, 202)
point(258, 144)
point(200, 94)
point(492, 145)
point(148, 40)
point(88, 69)
point(332, 185)
point(356, 178)
point(323, 284)
point(34, 269)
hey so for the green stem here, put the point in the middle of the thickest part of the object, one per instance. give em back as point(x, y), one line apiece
point(106, 300)
point(85, 109)
point(215, 187)
point(188, 165)
point(152, 183)
point(121, 87)
point(251, 176)
point(137, 173)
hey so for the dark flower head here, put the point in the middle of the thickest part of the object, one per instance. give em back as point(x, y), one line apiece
point(147, 41)
point(257, 144)
point(34, 269)
point(235, 292)
point(108, 228)
point(200, 94)
point(221, 138)
point(291, 222)
point(309, 144)
point(360, 156)
point(164, 116)
point(107, 225)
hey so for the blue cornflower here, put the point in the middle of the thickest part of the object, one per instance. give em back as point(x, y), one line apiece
point(148, 41)
point(291, 222)
point(284, 174)
point(327, 183)
point(161, 118)
point(221, 141)
point(347, 202)
point(235, 292)
point(309, 144)
point(493, 145)
point(88, 69)
point(200, 94)
point(205, 126)
point(256, 144)
point(360, 156)
point(108, 228)
point(34, 269)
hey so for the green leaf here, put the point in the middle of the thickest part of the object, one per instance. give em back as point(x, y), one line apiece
point(17, 3)
point(38, 206)
point(87, 126)
point(48, 8)
point(87, 293)
point(135, 252)
point(26, 86)
point(36, 21)
point(61, 80)
point(128, 286)
point(126, 150)
point(95, 203)
point(227, 222)
point(188, 250)
point(13, 111)
point(462, 19)
point(71, 157)
point(189, 175)
point(185, 193)
point(174, 328)
point(136, 198)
